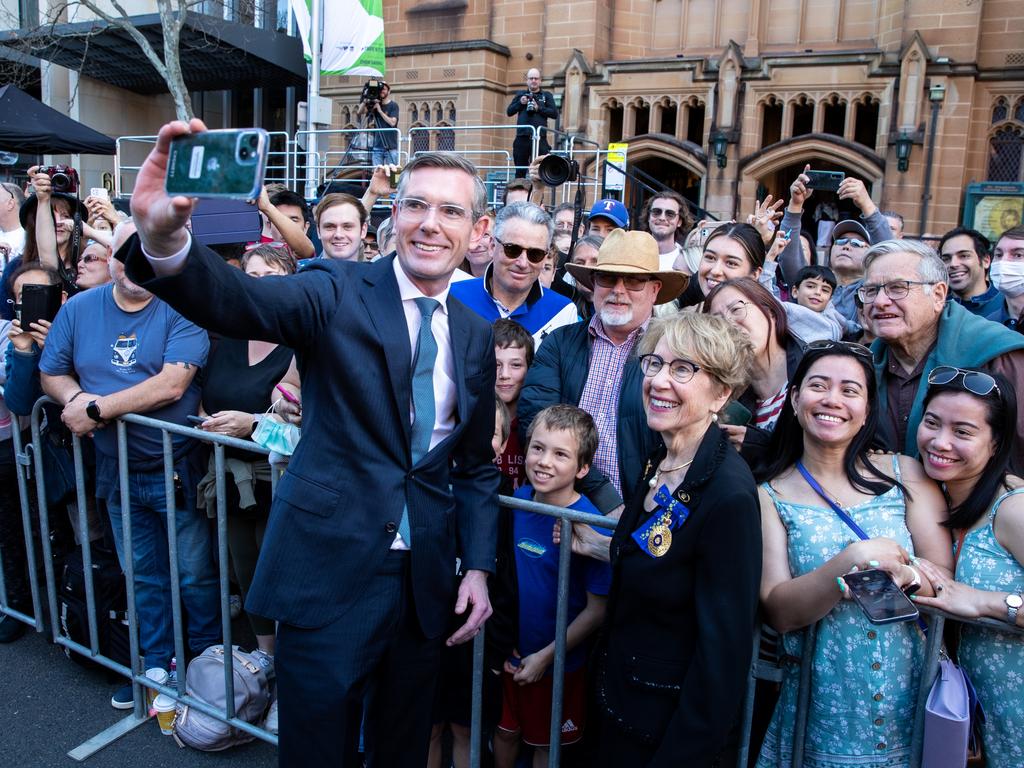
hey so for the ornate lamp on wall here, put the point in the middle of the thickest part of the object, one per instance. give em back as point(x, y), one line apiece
point(719, 147)
point(904, 142)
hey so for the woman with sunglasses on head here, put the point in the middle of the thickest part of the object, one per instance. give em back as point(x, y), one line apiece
point(686, 559)
point(828, 508)
point(965, 439)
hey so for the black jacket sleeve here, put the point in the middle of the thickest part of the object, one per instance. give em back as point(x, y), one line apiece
point(514, 107)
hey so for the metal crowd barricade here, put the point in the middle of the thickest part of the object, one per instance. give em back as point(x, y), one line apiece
point(482, 138)
point(29, 458)
point(349, 159)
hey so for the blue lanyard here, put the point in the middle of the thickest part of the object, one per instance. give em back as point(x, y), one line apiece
point(835, 507)
point(816, 487)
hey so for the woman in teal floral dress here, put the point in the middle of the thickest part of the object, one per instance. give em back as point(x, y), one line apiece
point(966, 443)
point(865, 676)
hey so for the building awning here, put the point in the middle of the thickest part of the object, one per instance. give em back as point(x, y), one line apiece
point(215, 54)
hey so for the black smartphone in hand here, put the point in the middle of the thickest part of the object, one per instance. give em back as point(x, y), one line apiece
point(878, 596)
point(38, 302)
point(827, 181)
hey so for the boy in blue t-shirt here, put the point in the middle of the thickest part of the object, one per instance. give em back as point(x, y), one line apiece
point(560, 446)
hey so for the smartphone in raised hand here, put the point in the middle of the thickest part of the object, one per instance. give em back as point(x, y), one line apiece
point(223, 163)
point(827, 181)
point(878, 596)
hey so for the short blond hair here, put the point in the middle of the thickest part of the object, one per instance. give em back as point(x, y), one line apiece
point(716, 345)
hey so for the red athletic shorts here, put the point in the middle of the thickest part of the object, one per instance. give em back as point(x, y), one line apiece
point(527, 708)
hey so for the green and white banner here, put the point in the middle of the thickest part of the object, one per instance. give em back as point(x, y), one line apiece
point(353, 35)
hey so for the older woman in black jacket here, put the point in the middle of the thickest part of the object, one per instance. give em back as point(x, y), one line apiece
point(686, 560)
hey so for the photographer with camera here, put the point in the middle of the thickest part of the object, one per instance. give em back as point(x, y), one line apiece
point(534, 108)
point(376, 102)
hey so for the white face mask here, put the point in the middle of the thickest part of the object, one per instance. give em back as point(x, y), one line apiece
point(1008, 277)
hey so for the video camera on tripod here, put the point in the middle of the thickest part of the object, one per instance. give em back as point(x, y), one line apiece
point(372, 91)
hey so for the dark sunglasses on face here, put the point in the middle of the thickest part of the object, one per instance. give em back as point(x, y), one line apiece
point(854, 241)
point(661, 212)
point(975, 382)
point(89, 258)
point(513, 251)
point(610, 280)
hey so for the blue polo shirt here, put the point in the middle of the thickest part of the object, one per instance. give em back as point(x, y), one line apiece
point(541, 313)
point(537, 574)
point(983, 304)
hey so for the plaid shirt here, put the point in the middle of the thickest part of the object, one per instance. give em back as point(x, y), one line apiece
point(600, 396)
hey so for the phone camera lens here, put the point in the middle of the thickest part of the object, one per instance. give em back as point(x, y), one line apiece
point(254, 141)
point(243, 153)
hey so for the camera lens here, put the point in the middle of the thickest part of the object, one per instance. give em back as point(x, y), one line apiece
point(254, 141)
point(243, 153)
point(555, 170)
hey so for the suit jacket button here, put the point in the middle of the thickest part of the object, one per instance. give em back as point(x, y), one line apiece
point(390, 527)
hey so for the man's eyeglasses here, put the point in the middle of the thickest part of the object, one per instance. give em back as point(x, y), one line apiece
point(417, 209)
point(663, 213)
point(854, 241)
point(679, 369)
point(897, 289)
point(514, 250)
point(89, 258)
point(609, 280)
point(975, 382)
point(850, 346)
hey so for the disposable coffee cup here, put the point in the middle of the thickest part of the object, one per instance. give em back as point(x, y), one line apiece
point(159, 676)
point(164, 707)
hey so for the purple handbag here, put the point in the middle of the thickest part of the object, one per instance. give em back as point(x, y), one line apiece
point(947, 718)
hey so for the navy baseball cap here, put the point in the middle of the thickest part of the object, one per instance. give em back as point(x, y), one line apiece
point(613, 210)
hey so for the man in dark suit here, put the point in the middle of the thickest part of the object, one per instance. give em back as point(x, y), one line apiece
point(394, 467)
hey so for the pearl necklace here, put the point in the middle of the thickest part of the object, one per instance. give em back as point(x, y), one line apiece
point(658, 472)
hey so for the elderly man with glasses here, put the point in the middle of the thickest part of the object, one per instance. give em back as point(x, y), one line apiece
point(904, 294)
point(594, 365)
point(510, 287)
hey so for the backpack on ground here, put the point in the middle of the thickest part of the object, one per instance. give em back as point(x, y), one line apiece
point(205, 682)
point(111, 607)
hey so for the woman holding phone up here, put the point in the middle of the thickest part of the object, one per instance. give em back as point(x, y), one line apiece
point(966, 442)
point(828, 508)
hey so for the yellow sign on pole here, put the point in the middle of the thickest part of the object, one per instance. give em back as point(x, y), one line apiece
point(615, 167)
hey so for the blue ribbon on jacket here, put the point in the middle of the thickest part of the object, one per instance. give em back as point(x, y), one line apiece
point(678, 513)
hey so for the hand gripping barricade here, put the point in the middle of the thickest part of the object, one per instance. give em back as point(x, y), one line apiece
point(205, 682)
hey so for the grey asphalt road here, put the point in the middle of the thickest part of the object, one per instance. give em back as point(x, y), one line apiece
point(48, 706)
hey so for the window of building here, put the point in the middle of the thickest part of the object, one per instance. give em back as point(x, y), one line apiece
point(452, 117)
point(865, 122)
point(445, 139)
point(1006, 149)
point(695, 123)
point(771, 122)
point(669, 113)
point(1018, 110)
point(28, 13)
point(803, 116)
point(420, 138)
point(414, 114)
point(1000, 111)
point(615, 114)
point(643, 119)
point(834, 121)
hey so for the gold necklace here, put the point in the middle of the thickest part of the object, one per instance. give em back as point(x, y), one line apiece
point(658, 472)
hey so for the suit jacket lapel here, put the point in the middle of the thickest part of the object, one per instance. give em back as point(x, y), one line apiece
point(458, 328)
point(383, 304)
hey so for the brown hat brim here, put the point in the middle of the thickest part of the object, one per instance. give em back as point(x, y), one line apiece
point(673, 283)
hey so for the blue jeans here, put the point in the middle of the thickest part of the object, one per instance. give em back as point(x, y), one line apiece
point(150, 556)
point(384, 156)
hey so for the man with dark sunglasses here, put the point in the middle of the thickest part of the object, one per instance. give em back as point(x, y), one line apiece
point(668, 220)
point(510, 287)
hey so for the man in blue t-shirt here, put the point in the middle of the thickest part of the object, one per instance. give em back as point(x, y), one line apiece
point(560, 446)
point(116, 349)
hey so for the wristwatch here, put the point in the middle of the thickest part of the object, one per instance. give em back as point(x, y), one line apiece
point(93, 411)
point(1013, 604)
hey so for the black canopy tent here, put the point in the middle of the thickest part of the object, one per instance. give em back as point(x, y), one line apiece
point(29, 127)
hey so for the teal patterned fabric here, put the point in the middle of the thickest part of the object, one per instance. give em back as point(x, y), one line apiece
point(995, 660)
point(865, 676)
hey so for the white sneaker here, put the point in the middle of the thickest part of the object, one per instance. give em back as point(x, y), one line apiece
point(270, 723)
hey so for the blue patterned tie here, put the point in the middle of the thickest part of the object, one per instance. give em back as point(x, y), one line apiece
point(424, 409)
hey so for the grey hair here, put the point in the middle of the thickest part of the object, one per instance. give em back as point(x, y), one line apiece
point(16, 192)
point(528, 212)
point(450, 161)
point(592, 241)
point(931, 268)
point(124, 229)
point(893, 215)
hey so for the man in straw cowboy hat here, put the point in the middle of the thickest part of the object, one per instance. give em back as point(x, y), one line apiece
point(593, 365)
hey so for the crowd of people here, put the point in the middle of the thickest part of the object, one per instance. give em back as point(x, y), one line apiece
point(761, 415)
